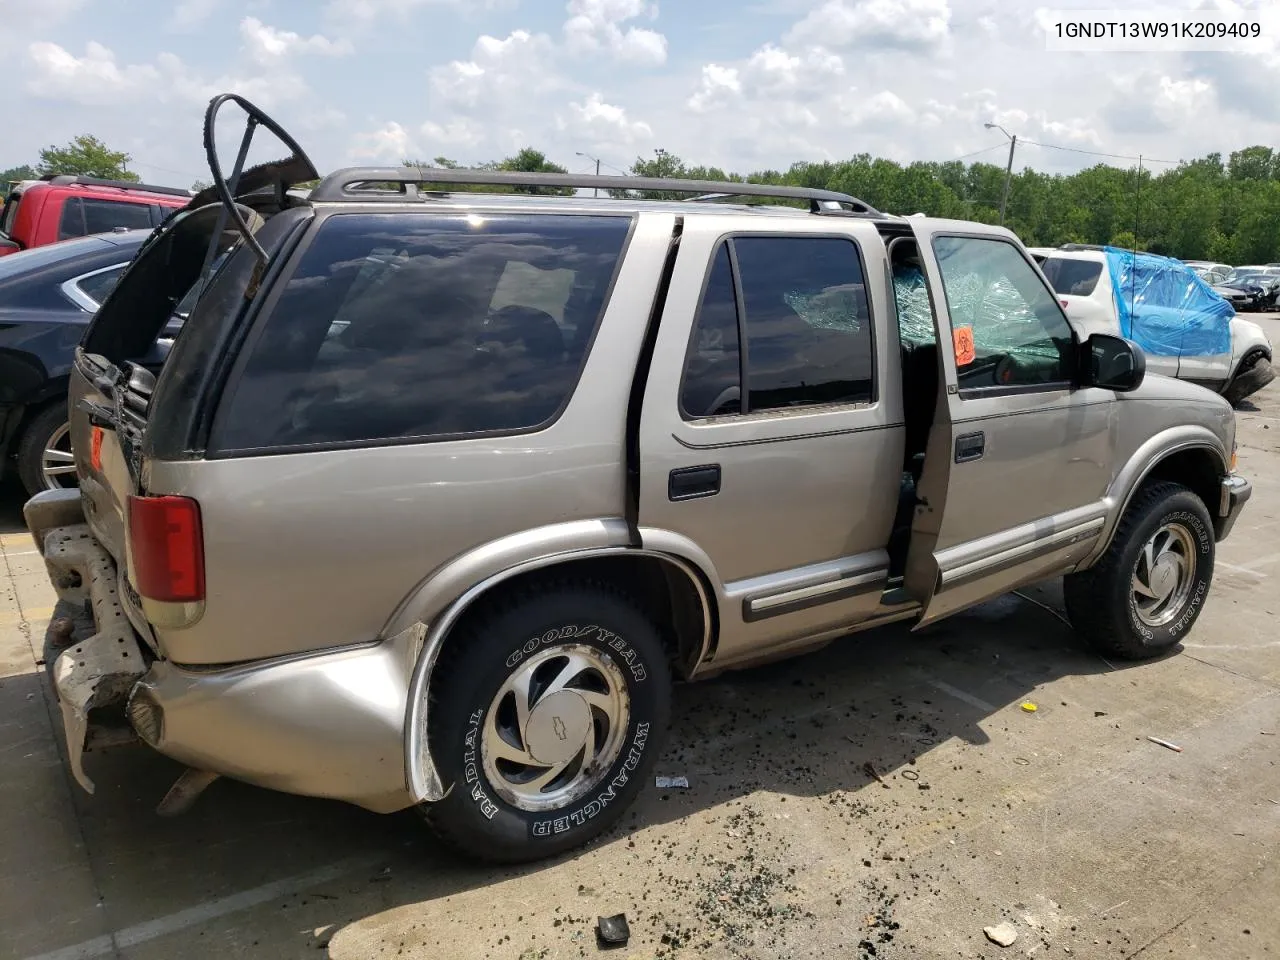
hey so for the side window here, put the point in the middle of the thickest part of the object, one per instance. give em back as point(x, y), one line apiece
point(398, 326)
point(103, 216)
point(712, 383)
point(96, 286)
point(71, 223)
point(807, 328)
point(1009, 329)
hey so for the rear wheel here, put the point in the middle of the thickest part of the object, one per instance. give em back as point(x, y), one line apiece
point(1148, 589)
point(44, 452)
point(546, 715)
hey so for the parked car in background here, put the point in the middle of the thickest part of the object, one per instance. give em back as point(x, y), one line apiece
point(40, 212)
point(433, 497)
point(1211, 273)
point(1185, 328)
point(1266, 280)
point(47, 298)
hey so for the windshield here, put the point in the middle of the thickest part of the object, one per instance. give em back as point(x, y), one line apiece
point(1243, 276)
point(17, 263)
point(1072, 277)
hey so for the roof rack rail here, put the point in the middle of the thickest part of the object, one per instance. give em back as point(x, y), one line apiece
point(344, 185)
point(67, 179)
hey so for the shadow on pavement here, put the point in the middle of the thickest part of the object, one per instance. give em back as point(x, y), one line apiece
point(803, 728)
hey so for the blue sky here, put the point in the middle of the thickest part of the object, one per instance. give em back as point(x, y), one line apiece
point(744, 85)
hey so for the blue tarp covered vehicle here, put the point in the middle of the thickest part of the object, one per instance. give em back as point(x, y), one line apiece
point(1165, 308)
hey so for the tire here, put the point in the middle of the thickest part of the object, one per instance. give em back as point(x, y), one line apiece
point(1105, 603)
point(35, 440)
point(1253, 373)
point(545, 635)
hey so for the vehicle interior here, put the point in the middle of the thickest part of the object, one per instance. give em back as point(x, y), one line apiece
point(920, 379)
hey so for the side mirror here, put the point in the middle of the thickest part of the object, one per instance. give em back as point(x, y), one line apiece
point(1113, 363)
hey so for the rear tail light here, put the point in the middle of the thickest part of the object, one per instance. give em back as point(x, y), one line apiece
point(166, 549)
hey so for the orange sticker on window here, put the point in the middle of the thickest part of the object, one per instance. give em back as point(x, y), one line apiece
point(962, 337)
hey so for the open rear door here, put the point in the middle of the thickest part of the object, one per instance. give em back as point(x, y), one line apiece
point(1017, 459)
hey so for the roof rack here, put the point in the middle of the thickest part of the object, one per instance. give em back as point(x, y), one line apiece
point(67, 179)
point(344, 185)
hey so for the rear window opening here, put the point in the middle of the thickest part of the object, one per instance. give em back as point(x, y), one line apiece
point(1070, 277)
point(421, 326)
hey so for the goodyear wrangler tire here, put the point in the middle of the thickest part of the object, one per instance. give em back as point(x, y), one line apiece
point(1145, 593)
point(546, 716)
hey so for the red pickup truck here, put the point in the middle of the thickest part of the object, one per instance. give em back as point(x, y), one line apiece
point(61, 206)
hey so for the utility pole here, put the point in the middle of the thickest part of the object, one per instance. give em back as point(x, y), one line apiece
point(1008, 170)
point(579, 153)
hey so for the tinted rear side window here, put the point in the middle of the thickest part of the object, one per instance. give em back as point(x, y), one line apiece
point(103, 216)
point(399, 326)
point(1076, 278)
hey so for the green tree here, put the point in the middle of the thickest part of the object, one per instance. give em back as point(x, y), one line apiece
point(13, 175)
point(529, 160)
point(88, 156)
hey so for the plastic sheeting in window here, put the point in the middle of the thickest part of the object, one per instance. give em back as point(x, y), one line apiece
point(1165, 308)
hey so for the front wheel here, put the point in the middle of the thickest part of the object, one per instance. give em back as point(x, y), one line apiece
point(547, 713)
point(1147, 590)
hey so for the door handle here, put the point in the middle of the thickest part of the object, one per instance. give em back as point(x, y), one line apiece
point(689, 483)
point(970, 446)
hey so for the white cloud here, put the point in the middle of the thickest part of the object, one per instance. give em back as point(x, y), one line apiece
point(595, 25)
point(501, 73)
point(388, 145)
point(909, 24)
point(267, 45)
point(95, 78)
point(603, 123)
point(719, 85)
point(190, 14)
point(366, 12)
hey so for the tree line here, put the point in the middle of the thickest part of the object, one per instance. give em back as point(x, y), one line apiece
point(1204, 209)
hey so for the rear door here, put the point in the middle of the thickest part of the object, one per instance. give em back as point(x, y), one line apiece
point(1018, 459)
point(771, 435)
point(107, 419)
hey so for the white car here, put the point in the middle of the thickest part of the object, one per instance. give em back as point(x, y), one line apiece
point(1083, 281)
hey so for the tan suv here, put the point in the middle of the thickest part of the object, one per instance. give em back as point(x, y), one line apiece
point(438, 491)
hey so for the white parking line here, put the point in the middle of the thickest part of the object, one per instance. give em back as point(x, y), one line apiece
point(959, 694)
point(201, 913)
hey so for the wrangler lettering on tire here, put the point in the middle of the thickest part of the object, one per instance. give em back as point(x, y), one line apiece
point(551, 705)
point(1147, 590)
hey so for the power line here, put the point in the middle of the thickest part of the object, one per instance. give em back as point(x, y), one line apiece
point(966, 156)
point(1097, 153)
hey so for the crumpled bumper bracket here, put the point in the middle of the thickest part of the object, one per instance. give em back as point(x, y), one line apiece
point(99, 670)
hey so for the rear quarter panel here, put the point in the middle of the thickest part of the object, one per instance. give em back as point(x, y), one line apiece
point(307, 551)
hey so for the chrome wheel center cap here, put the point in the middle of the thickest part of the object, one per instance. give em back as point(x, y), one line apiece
point(558, 727)
point(1164, 578)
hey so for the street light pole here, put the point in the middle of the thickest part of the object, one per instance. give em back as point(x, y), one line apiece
point(579, 153)
point(1008, 170)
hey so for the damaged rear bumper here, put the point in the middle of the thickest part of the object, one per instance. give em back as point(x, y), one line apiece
point(91, 647)
point(327, 724)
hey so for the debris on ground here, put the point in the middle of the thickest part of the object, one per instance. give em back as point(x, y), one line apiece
point(1029, 707)
point(1099, 713)
point(1165, 743)
point(870, 770)
point(667, 783)
point(612, 931)
point(1003, 934)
